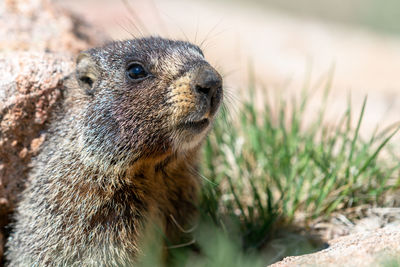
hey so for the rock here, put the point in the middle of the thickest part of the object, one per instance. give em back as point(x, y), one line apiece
point(371, 248)
point(38, 43)
point(30, 87)
point(38, 25)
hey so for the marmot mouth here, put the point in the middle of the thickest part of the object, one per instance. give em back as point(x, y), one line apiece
point(196, 125)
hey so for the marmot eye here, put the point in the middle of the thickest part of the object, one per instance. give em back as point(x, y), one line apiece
point(136, 71)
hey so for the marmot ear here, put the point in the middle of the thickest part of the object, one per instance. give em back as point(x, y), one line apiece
point(87, 72)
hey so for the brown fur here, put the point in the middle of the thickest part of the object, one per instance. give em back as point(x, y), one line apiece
point(120, 158)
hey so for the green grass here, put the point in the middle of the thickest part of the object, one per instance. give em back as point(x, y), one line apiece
point(388, 261)
point(266, 169)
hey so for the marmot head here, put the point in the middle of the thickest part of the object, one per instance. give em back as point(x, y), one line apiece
point(146, 98)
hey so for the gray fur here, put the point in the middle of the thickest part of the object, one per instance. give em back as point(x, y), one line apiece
point(115, 160)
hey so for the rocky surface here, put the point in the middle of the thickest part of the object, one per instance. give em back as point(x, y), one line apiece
point(38, 43)
point(370, 248)
point(30, 86)
point(37, 25)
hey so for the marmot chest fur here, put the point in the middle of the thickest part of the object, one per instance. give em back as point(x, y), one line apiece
point(121, 155)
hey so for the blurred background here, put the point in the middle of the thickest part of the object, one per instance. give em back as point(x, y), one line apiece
point(286, 170)
point(278, 45)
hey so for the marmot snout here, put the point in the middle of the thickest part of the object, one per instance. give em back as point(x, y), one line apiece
point(121, 155)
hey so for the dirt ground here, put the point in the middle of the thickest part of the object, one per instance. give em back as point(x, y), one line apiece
point(280, 50)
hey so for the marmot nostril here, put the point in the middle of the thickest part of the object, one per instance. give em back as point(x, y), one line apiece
point(204, 90)
point(207, 81)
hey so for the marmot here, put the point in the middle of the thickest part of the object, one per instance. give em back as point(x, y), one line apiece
point(122, 154)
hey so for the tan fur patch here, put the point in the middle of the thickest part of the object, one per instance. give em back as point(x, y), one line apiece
point(182, 98)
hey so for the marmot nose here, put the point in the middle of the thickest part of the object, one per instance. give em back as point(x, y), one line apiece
point(207, 81)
